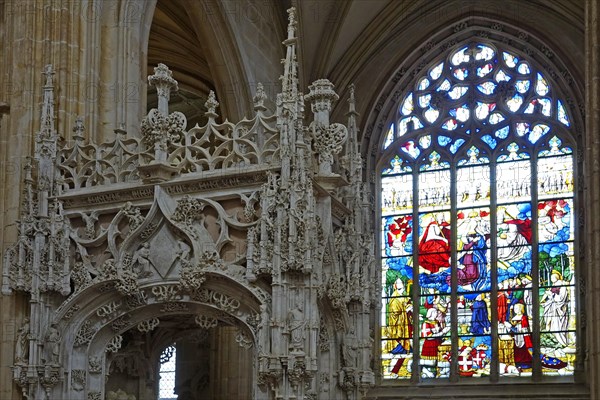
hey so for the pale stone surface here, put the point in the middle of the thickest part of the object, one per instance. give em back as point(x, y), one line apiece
point(232, 238)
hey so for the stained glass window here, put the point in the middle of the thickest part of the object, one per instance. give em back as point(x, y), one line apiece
point(477, 223)
point(166, 383)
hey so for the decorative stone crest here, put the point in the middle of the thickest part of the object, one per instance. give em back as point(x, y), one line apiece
point(78, 377)
point(246, 229)
point(148, 325)
point(114, 345)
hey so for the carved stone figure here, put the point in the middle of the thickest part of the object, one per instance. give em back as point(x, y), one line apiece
point(141, 262)
point(296, 324)
point(241, 238)
point(349, 349)
point(183, 254)
point(22, 347)
point(53, 338)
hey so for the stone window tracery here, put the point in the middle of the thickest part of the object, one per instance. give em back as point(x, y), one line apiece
point(477, 223)
point(166, 383)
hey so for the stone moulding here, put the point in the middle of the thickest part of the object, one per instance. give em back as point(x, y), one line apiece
point(232, 180)
point(233, 221)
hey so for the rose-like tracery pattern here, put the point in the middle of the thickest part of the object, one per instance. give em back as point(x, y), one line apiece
point(477, 204)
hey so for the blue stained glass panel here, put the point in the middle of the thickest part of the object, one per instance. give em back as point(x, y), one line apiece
point(487, 87)
point(490, 141)
point(408, 105)
point(436, 72)
point(486, 69)
point(411, 149)
point(456, 145)
point(502, 133)
point(537, 132)
point(510, 60)
point(463, 245)
point(443, 140)
point(523, 68)
point(562, 114)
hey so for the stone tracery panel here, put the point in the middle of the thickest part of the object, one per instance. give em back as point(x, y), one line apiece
point(230, 223)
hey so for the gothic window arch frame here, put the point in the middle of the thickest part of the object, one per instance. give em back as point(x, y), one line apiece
point(386, 113)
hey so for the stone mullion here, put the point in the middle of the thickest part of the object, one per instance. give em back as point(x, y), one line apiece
point(494, 367)
point(416, 288)
point(535, 273)
point(592, 195)
point(453, 276)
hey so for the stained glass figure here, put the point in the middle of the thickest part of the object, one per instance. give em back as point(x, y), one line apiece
point(397, 235)
point(434, 242)
point(396, 194)
point(477, 216)
point(435, 343)
point(513, 180)
point(473, 185)
point(474, 356)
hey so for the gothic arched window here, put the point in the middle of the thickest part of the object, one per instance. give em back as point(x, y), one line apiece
point(477, 223)
point(166, 374)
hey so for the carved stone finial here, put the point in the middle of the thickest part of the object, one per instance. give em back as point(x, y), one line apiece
point(211, 105)
point(328, 138)
point(79, 129)
point(292, 22)
point(164, 83)
point(351, 101)
point(289, 80)
point(259, 98)
point(321, 96)
point(352, 143)
point(48, 73)
point(27, 167)
point(47, 115)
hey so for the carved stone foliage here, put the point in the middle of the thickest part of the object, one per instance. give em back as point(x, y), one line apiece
point(84, 334)
point(213, 146)
point(256, 202)
point(95, 365)
point(114, 345)
point(148, 325)
point(205, 321)
point(42, 249)
point(119, 395)
point(78, 377)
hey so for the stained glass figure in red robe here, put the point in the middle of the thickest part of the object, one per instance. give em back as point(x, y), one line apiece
point(434, 247)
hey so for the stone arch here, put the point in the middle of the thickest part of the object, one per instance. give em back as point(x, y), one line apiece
point(329, 344)
point(107, 314)
point(538, 50)
point(531, 48)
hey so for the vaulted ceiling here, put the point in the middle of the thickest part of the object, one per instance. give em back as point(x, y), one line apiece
point(349, 41)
